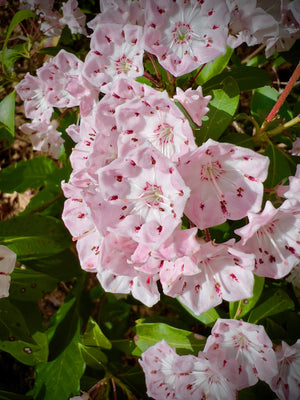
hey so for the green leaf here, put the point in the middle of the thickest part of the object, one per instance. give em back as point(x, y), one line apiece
point(279, 167)
point(29, 285)
point(63, 266)
point(247, 78)
point(28, 353)
point(34, 236)
point(12, 55)
point(207, 318)
point(7, 118)
point(25, 175)
point(184, 341)
point(215, 67)
point(275, 304)
point(60, 378)
point(12, 323)
point(17, 18)
point(93, 336)
point(238, 309)
point(93, 357)
point(222, 108)
point(63, 328)
point(262, 102)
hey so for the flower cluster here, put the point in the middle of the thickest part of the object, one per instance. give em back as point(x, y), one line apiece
point(143, 194)
point(236, 355)
point(137, 170)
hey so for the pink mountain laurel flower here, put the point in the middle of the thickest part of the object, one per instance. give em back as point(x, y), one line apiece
point(66, 86)
point(184, 35)
point(243, 351)
point(119, 273)
point(199, 378)
point(249, 23)
point(141, 196)
point(44, 136)
point(194, 103)
point(34, 91)
point(159, 363)
point(223, 272)
point(157, 120)
point(273, 236)
point(225, 182)
point(7, 265)
point(73, 17)
point(286, 384)
point(116, 52)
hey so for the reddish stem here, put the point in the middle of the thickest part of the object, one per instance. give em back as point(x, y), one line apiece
point(154, 65)
point(284, 94)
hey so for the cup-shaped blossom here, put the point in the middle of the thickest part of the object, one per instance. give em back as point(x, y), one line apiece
point(141, 196)
point(44, 136)
point(66, 85)
point(243, 351)
point(33, 91)
point(286, 384)
point(273, 236)
point(73, 17)
point(199, 378)
point(159, 363)
point(116, 51)
point(194, 103)
point(119, 273)
point(7, 265)
point(184, 35)
point(223, 272)
point(225, 182)
point(156, 120)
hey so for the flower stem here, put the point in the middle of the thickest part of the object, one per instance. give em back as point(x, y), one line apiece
point(284, 94)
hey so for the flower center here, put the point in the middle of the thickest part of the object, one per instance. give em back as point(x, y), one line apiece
point(164, 135)
point(181, 33)
point(151, 195)
point(123, 65)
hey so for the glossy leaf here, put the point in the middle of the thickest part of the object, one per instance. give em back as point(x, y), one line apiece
point(215, 67)
point(28, 353)
point(29, 285)
point(222, 107)
point(247, 78)
point(62, 328)
point(280, 166)
point(93, 356)
point(240, 308)
point(184, 341)
point(7, 118)
point(262, 102)
point(35, 236)
point(25, 175)
point(12, 323)
point(278, 302)
point(207, 318)
point(60, 378)
point(93, 336)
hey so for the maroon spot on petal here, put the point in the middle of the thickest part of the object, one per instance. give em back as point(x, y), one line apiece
point(81, 215)
point(114, 197)
point(215, 27)
point(119, 178)
point(159, 229)
point(239, 192)
point(232, 276)
point(197, 288)
point(132, 163)
point(261, 261)
point(108, 39)
point(223, 207)
point(171, 170)
point(129, 132)
point(153, 161)
point(189, 386)
point(291, 249)
point(122, 217)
